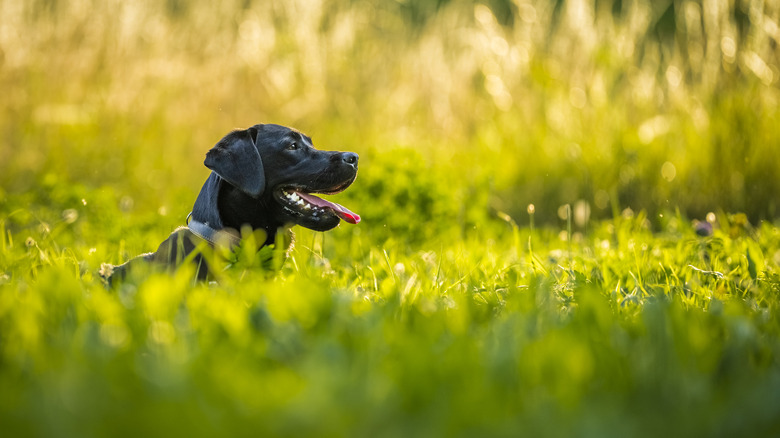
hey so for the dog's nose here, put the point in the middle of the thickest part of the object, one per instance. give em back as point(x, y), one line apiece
point(350, 158)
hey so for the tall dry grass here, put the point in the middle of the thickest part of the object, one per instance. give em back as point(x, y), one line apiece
point(648, 105)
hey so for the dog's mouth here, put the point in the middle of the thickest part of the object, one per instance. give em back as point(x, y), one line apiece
point(311, 210)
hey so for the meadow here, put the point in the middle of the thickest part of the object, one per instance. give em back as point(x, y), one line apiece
point(570, 219)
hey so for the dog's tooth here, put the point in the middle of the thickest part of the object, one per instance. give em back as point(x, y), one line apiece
point(300, 202)
point(307, 207)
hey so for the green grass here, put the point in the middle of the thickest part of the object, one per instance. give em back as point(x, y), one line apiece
point(623, 332)
point(531, 181)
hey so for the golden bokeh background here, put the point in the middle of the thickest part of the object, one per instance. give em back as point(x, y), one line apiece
point(645, 105)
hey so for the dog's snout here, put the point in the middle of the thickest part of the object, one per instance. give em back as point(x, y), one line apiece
point(350, 158)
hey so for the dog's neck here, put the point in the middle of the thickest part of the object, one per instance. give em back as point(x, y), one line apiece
point(226, 236)
point(217, 208)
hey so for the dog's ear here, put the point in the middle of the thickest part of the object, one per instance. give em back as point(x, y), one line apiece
point(236, 159)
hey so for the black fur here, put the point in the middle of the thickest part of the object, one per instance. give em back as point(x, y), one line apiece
point(250, 168)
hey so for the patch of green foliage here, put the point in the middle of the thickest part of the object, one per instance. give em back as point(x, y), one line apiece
point(569, 219)
point(505, 331)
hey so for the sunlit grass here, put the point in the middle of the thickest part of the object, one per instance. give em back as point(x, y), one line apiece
point(569, 219)
point(610, 332)
point(648, 105)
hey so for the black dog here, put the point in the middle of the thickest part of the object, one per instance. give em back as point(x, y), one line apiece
point(263, 178)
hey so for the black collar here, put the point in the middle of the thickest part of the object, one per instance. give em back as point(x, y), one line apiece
point(214, 236)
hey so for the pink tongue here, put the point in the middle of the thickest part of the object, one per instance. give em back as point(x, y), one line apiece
point(340, 210)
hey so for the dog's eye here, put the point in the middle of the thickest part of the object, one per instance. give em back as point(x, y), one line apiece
point(292, 146)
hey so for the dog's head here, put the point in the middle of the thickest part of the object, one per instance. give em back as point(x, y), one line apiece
point(280, 169)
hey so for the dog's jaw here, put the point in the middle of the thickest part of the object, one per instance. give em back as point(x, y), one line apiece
point(303, 208)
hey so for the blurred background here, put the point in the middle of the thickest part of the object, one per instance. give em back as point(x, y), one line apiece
point(459, 109)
